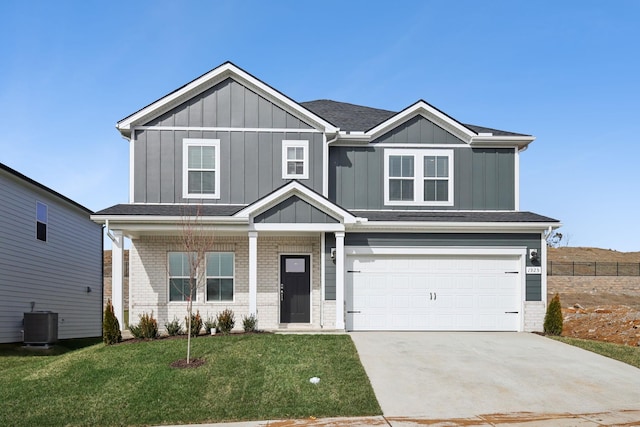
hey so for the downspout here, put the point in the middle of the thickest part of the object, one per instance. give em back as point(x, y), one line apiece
point(109, 234)
point(323, 256)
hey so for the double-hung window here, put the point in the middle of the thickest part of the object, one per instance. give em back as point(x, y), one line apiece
point(220, 268)
point(42, 219)
point(180, 271)
point(418, 177)
point(295, 159)
point(201, 168)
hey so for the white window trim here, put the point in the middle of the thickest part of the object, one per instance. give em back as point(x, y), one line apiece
point(169, 277)
point(418, 177)
point(207, 277)
point(195, 142)
point(305, 158)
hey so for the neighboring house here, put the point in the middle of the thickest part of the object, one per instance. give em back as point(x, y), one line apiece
point(327, 215)
point(50, 259)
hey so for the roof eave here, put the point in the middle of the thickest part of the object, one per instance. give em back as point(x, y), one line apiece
point(501, 141)
point(440, 226)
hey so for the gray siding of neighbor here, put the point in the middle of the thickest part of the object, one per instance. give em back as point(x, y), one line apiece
point(530, 241)
point(484, 178)
point(294, 210)
point(250, 161)
point(53, 274)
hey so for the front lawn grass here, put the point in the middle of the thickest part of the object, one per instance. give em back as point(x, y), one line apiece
point(623, 353)
point(245, 377)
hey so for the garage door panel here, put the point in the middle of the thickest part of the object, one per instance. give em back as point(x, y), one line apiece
point(433, 293)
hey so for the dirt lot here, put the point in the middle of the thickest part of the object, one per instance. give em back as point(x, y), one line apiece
point(603, 316)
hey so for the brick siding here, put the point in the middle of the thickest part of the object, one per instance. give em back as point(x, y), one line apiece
point(149, 279)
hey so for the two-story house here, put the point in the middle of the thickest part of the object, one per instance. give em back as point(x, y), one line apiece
point(327, 215)
point(50, 261)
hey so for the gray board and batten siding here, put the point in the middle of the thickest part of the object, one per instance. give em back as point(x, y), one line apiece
point(483, 178)
point(294, 210)
point(497, 240)
point(54, 275)
point(250, 160)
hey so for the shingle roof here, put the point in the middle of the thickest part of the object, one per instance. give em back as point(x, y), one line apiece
point(43, 187)
point(418, 216)
point(351, 117)
point(169, 210)
point(454, 216)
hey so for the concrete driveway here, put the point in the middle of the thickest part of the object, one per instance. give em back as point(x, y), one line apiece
point(444, 375)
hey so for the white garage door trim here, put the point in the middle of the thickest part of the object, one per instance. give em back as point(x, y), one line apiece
point(516, 252)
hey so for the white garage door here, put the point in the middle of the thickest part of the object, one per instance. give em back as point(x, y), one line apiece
point(438, 293)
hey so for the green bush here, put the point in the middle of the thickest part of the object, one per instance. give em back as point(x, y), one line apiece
point(249, 323)
point(553, 318)
point(196, 323)
point(110, 326)
point(147, 327)
point(174, 327)
point(226, 321)
point(210, 324)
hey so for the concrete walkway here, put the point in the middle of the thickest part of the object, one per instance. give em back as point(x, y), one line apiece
point(441, 375)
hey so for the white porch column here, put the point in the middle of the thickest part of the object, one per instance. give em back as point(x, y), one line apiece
point(117, 274)
point(253, 273)
point(339, 279)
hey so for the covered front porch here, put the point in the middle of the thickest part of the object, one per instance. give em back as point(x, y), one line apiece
point(278, 261)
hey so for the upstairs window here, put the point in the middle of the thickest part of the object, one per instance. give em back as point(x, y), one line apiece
point(201, 168)
point(295, 159)
point(436, 182)
point(42, 219)
point(401, 177)
point(418, 177)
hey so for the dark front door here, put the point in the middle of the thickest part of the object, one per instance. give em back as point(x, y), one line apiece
point(295, 289)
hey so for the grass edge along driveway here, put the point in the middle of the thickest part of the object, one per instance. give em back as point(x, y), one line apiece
point(246, 377)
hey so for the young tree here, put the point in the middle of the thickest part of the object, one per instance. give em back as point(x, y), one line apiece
point(196, 241)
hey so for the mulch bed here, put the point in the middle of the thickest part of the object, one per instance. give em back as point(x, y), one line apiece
point(193, 363)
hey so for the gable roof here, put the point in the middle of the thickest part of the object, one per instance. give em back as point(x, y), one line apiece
point(295, 188)
point(352, 117)
point(210, 79)
point(54, 193)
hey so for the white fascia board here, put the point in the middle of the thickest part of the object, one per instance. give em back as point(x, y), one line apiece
point(209, 80)
point(294, 188)
point(468, 227)
point(431, 114)
point(115, 220)
point(501, 141)
point(285, 227)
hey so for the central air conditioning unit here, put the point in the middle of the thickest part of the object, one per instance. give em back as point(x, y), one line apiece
point(40, 328)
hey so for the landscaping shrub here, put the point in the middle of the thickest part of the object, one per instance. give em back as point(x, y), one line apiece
point(249, 323)
point(553, 318)
point(210, 324)
point(226, 321)
point(196, 323)
point(110, 326)
point(174, 327)
point(147, 327)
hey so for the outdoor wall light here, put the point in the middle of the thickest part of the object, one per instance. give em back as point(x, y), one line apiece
point(533, 255)
point(333, 254)
point(88, 289)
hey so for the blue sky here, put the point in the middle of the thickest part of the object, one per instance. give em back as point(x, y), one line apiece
point(567, 72)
